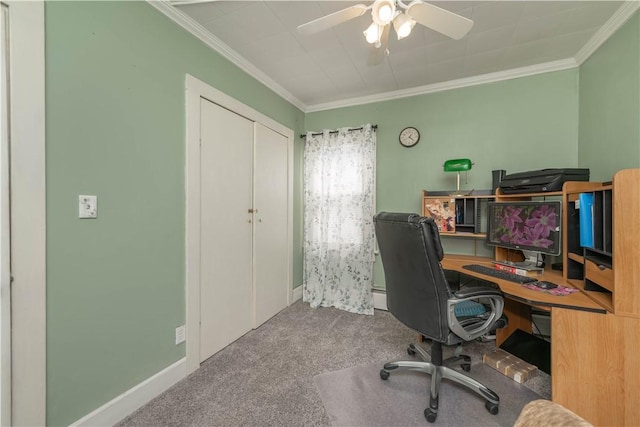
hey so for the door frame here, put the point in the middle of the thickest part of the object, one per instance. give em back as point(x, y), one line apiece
point(5, 233)
point(195, 90)
point(28, 212)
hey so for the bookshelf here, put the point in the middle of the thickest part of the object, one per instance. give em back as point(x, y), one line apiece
point(590, 268)
point(609, 274)
point(468, 212)
point(606, 271)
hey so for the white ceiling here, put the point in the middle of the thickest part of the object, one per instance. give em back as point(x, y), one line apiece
point(329, 68)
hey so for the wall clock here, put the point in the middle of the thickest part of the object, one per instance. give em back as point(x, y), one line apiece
point(409, 136)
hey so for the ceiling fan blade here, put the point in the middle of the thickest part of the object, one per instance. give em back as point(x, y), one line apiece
point(440, 20)
point(377, 54)
point(332, 19)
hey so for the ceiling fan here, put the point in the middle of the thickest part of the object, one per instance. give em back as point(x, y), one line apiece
point(402, 16)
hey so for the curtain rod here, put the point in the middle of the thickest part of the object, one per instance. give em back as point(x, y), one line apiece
point(374, 127)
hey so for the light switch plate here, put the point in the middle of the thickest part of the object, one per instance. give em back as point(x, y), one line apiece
point(180, 334)
point(87, 206)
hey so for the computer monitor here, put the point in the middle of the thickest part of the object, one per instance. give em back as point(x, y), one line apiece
point(532, 227)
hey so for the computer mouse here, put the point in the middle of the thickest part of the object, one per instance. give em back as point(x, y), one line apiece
point(543, 284)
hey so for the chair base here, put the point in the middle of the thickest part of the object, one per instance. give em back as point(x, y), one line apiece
point(439, 369)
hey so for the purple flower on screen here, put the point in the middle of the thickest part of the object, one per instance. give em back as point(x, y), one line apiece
point(542, 221)
point(532, 238)
point(511, 217)
point(513, 236)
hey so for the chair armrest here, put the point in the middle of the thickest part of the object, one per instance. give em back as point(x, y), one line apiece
point(470, 330)
point(477, 291)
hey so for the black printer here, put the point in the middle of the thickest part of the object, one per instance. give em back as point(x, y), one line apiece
point(542, 180)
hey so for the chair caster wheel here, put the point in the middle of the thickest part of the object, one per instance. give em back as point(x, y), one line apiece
point(430, 415)
point(411, 351)
point(384, 374)
point(491, 407)
point(466, 367)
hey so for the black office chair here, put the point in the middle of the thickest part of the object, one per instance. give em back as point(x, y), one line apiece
point(419, 295)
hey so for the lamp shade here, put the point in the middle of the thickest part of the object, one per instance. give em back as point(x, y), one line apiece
point(457, 165)
point(383, 11)
point(403, 25)
point(372, 34)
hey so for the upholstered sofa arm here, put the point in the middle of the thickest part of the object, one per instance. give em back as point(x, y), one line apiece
point(546, 413)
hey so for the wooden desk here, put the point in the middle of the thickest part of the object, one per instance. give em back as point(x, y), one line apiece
point(519, 300)
point(594, 354)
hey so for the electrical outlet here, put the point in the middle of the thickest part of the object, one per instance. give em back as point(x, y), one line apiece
point(180, 334)
point(87, 206)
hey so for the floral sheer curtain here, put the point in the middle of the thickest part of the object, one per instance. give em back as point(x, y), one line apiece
point(339, 204)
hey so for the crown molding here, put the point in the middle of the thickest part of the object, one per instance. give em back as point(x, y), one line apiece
point(219, 46)
point(563, 64)
point(619, 18)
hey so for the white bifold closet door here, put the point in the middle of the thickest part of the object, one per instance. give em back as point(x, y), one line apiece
point(243, 242)
point(270, 227)
point(226, 271)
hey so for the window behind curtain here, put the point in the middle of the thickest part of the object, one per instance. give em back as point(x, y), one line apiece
point(339, 199)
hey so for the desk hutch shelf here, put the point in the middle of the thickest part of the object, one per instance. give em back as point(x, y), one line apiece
point(468, 212)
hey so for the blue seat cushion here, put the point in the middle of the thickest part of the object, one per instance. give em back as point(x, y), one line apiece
point(469, 308)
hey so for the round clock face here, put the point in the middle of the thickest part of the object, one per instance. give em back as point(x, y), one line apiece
point(409, 136)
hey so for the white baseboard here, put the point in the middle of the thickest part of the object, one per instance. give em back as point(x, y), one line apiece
point(380, 300)
point(134, 398)
point(297, 294)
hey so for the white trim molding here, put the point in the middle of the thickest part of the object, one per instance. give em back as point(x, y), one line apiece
point(515, 73)
point(297, 294)
point(28, 212)
point(223, 49)
point(620, 17)
point(136, 397)
point(380, 299)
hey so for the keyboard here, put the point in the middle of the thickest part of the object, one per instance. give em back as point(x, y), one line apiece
point(504, 275)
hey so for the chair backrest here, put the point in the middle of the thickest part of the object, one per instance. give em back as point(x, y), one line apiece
point(417, 290)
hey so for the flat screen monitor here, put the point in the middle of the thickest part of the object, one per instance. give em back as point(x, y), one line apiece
point(532, 227)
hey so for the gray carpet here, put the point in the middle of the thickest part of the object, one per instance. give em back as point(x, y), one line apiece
point(358, 397)
point(266, 377)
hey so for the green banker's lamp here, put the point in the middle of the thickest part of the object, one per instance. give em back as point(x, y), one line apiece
point(458, 165)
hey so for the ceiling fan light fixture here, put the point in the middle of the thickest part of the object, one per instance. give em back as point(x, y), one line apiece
point(383, 11)
point(372, 34)
point(403, 24)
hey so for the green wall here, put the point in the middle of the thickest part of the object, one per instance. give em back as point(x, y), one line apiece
point(516, 125)
point(115, 126)
point(610, 104)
